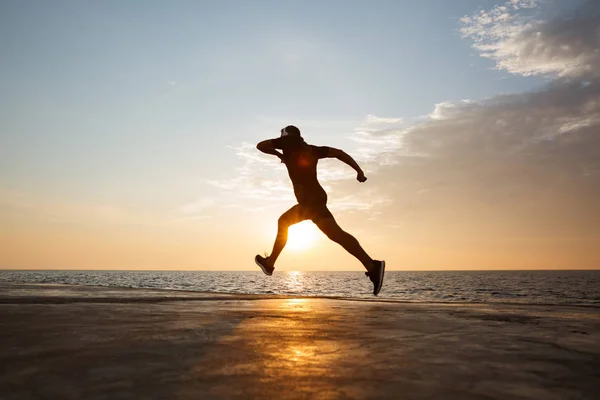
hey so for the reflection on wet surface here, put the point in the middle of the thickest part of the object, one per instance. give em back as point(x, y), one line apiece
point(286, 348)
point(296, 349)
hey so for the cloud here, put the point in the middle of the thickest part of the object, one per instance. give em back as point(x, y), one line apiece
point(380, 141)
point(374, 120)
point(521, 162)
point(259, 178)
point(514, 37)
point(556, 127)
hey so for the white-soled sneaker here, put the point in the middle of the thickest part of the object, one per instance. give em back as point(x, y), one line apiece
point(262, 263)
point(376, 275)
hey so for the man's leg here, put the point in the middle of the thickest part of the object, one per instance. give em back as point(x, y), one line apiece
point(329, 227)
point(292, 216)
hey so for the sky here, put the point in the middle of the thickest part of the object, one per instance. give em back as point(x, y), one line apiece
point(128, 132)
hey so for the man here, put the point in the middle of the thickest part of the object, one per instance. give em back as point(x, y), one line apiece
point(301, 160)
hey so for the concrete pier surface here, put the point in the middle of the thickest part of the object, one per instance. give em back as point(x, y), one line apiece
point(75, 342)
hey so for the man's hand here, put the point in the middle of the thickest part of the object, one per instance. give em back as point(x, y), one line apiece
point(360, 176)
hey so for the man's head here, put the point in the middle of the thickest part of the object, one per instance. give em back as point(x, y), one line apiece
point(290, 130)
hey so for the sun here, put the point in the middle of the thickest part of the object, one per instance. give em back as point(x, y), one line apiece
point(301, 236)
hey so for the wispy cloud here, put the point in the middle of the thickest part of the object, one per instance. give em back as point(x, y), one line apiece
point(513, 36)
point(380, 141)
point(258, 178)
point(382, 121)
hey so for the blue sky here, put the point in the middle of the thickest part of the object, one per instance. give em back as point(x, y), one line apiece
point(137, 105)
point(95, 90)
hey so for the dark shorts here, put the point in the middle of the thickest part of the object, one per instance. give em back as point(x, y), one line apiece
point(312, 203)
point(304, 211)
point(315, 210)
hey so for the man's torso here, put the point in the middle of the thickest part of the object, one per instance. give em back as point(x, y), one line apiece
point(301, 161)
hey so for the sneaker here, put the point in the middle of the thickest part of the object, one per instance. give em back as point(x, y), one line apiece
point(376, 275)
point(262, 263)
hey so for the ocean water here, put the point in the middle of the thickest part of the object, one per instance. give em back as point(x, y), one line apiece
point(534, 287)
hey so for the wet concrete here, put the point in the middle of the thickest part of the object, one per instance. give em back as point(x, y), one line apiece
point(78, 342)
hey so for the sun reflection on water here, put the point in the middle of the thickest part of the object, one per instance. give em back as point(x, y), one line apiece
point(300, 353)
point(295, 281)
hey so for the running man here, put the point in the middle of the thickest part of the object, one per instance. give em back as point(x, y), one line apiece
point(301, 160)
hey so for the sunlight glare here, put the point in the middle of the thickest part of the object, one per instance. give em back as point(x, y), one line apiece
point(301, 236)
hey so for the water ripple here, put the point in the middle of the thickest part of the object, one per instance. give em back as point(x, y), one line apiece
point(533, 287)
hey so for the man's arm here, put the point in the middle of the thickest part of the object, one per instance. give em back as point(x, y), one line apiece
point(266, 146)
point(346, 158)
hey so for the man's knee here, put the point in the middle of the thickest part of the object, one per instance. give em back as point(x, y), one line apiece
point(283, 223)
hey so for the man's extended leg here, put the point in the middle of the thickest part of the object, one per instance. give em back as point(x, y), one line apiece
point(375, 268)
point(292, 216)
point(329, 227)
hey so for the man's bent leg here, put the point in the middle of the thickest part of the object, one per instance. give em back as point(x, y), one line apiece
point(290, 217)
point(329, 227)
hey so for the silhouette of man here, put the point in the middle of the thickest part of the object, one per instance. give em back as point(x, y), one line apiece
point(301, 160)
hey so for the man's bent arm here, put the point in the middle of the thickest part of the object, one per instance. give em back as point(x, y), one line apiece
point(266, 146)
point(346, 158)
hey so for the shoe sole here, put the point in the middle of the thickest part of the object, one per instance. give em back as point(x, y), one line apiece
point(381, 273)
point(262, 267)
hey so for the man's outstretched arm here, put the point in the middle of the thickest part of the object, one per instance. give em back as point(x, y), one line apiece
point(266, 146)
point(346, 158)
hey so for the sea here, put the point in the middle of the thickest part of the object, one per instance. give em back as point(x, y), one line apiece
point(522, 287)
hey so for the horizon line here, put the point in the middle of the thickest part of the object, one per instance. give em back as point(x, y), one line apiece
point(293, 270)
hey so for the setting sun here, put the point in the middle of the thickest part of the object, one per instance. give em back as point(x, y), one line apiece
point(301, 236)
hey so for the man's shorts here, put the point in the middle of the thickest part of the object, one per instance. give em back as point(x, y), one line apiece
point(304, 211)
point(316, 210)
